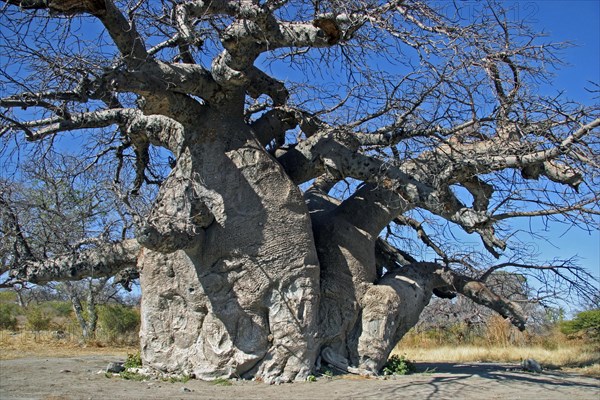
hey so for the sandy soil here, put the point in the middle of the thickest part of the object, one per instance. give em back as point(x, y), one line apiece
point(79, 378)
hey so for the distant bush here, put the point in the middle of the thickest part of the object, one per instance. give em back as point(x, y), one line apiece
point(586, 323)
point(58, 308)
point(37, 319)
point(8, 320)
point(116, 321)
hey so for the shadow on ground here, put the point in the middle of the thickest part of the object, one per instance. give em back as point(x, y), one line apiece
point(83, 378)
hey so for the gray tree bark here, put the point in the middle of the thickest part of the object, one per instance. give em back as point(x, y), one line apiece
point(239, 296)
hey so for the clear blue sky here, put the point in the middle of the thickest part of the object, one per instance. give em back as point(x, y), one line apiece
point(576, 21)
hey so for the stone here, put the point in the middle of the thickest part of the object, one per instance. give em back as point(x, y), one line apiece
point(530, 365)
point(115, 367)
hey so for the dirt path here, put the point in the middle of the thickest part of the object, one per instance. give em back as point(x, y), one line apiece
point(78, 378)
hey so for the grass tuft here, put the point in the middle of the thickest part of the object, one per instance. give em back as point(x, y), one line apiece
point(222, 382)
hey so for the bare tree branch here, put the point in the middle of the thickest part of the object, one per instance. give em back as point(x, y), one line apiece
point(102, 261)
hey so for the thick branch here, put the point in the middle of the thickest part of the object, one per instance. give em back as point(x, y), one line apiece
point(389, 257)
point(93, 119)
point(94, 7)
point(261, 83)
point(160, 130)
point(481, 294)
point(334, 150)
point(518, 161)
point(272, 125)
point(102, 261)
point(124, 34)
point(157, 76)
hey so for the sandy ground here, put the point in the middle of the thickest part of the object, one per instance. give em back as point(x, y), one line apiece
point(78, 378)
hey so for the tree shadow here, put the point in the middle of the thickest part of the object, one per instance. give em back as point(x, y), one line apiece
point(490, 380)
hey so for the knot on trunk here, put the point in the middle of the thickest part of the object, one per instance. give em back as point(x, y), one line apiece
point(177, 217)
point(331, 29)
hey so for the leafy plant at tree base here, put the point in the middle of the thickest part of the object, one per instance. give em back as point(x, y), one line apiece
point(398, 365)
point(178, 379)
point(134, 360)
point(132, 376)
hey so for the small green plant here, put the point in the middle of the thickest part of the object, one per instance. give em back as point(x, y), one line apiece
point(132, 376)
point(398, 365)
point(134, 360)
point(222, 382)
point(178, 379)
point(328, 373)
point(311, 378)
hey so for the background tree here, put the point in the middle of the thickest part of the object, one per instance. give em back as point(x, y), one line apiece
point(431, 121)
point(585, 323)
point(59, 206)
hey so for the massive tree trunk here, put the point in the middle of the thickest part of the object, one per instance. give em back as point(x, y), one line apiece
point(240, 295)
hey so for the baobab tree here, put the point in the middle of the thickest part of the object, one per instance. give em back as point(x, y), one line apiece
point(299, 137)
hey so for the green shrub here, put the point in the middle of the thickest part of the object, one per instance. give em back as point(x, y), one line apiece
point(37, 319)
point(8, 320)
point(398, 365)
point(586, 322)
point(115, 320)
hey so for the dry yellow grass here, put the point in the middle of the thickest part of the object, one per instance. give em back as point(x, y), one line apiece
point(44, 344)
point(577, 357)
point(500, 342)
point(566, 356)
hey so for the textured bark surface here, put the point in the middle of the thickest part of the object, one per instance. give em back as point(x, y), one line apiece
point(240, 295)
